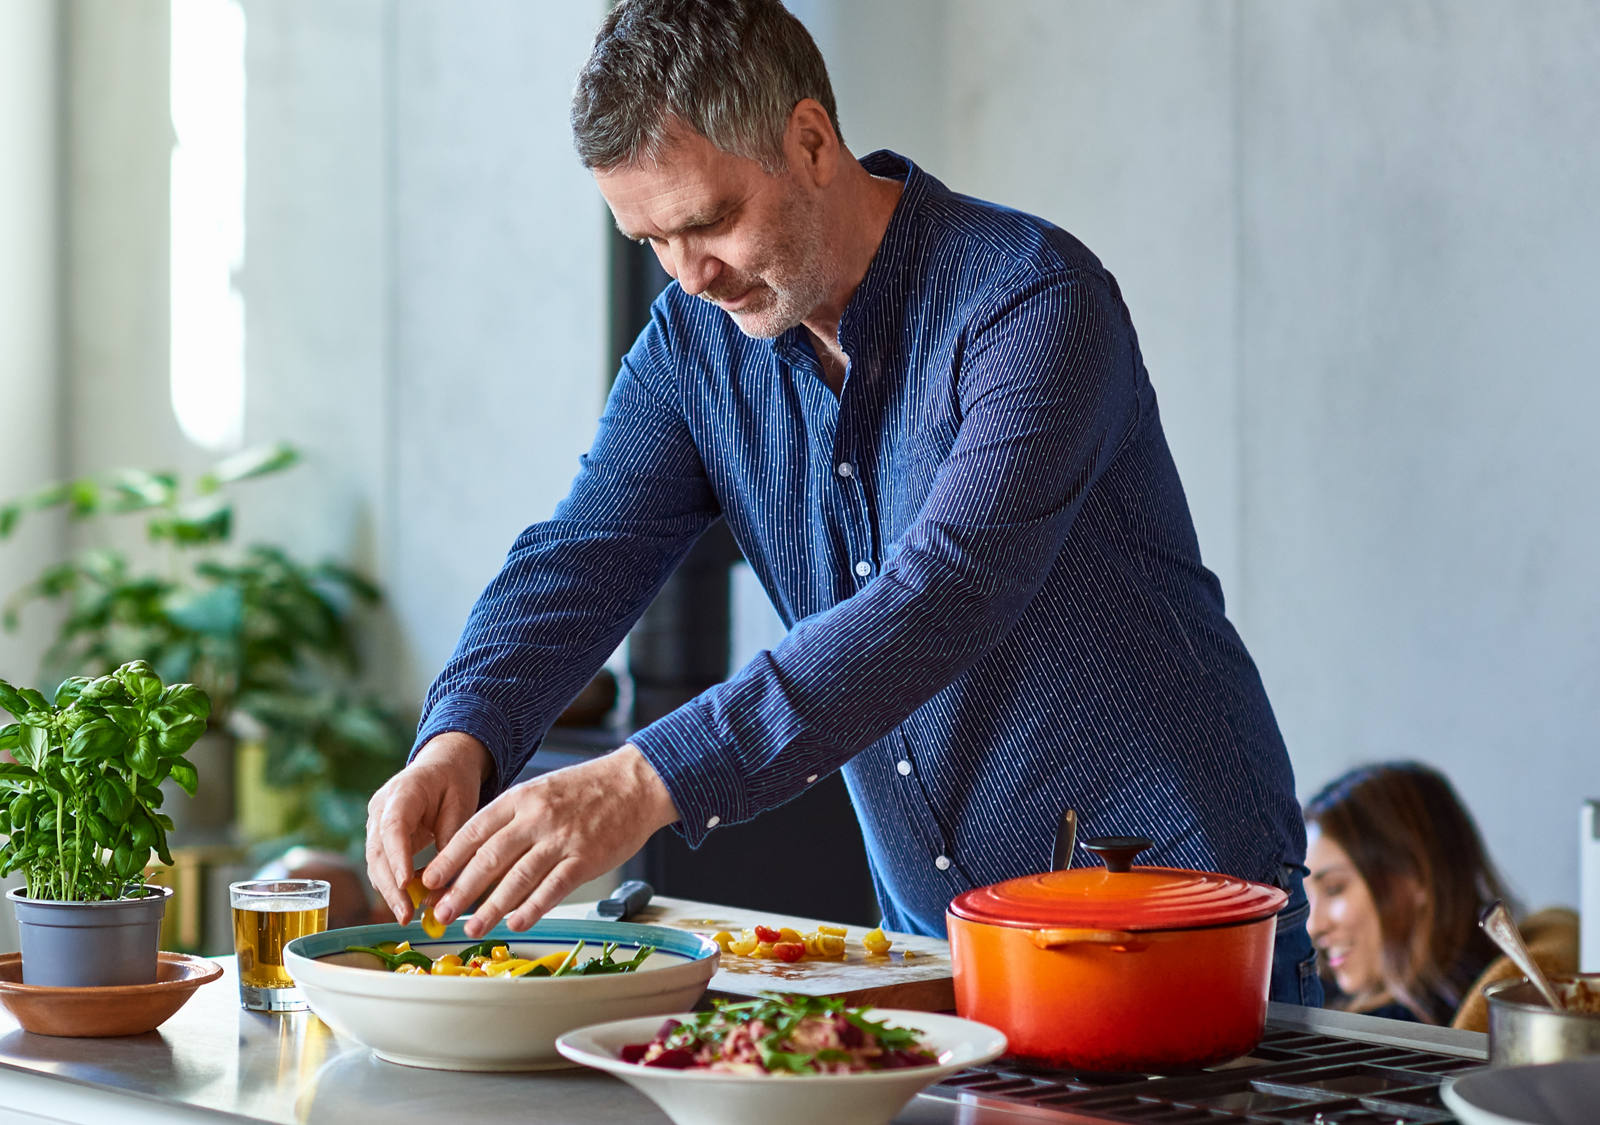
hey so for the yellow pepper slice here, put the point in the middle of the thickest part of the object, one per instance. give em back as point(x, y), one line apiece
point(875, 942)
point(430, 925)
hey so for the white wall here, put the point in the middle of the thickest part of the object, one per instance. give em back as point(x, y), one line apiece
point(30, 388)
point(1358, 241)
point(1357, 237)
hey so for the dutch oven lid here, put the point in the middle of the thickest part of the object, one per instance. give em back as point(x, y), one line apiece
point(1120, 896)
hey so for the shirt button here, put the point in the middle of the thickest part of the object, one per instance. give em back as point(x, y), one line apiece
point(713, 822)
point(942, 862)
point(904, 767)
point(810, 779)
point(846, 469)
point(863, 568)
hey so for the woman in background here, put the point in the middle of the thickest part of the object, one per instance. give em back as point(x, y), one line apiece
point(1399, 876)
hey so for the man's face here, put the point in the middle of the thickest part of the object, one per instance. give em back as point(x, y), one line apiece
point(750, 243)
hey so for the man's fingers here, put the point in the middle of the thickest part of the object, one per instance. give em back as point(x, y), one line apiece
point(452, 815)
point(378, 872)
point(512, 890)
point(563, 878)
point(475, 857)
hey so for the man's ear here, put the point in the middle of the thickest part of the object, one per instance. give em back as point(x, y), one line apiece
point(811, 144)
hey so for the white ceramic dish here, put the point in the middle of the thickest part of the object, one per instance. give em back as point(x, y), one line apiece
point(1564, 1093)
point(697, 1097)
point(475, 1023)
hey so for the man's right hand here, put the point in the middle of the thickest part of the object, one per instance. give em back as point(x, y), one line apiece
point(425, 803)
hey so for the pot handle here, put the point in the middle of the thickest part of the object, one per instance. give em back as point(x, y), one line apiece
point(1120, 940)
point(1117, 852)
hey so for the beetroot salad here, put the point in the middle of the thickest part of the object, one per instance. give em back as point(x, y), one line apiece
point(781, 1035)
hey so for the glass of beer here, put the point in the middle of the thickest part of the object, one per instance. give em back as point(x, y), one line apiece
point(267, 915)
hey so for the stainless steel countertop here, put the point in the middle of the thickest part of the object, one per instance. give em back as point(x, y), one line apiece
point(213, 1061)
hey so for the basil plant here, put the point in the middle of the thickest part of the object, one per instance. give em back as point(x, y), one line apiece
point(79, 801)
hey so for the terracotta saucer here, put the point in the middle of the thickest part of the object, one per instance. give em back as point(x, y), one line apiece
point(128, 1009)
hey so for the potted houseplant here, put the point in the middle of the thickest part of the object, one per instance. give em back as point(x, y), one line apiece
point(271, 639)
point(79, 804)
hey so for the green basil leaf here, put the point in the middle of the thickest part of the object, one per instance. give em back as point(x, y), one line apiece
point(16, 774)
point(184, 773)
point(10, 736)
point(141, 682)
point(143, 757)
point(11, 699)
point(114, 798)
point(98, 740)
point(105, 689)
point(70, 689)
point(179, 737)
point(185, 700)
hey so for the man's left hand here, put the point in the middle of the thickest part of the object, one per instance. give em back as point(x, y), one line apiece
point(538, 841)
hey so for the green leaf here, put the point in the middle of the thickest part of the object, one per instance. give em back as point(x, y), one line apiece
point(125, 716)
point(11, 699)
point(218, 612)
point(144, 757)
point(114, 798)
point(35, 743)
point(10, 736)
point(98, 740)
point(143, 685)
point(9, 514)
point(34, 702)
point(126, 862)
point(99, 829)
point(206, 520)
point(104, 690)
point(178, 737)
point(14, 773)
point(184, 773)
point(254, 462)
point(70, 689)
point(136, 490)
point(186, 700)
point(84, 494)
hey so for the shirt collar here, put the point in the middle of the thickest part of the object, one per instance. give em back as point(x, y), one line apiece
point(884, 282)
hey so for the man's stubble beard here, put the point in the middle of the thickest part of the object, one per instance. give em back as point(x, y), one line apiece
point(797, 275)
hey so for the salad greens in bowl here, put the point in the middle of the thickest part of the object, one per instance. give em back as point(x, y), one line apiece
point(417, 1000)
point(784, 1060)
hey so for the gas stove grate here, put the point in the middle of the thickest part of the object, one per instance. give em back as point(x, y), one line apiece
point(1293, 1077)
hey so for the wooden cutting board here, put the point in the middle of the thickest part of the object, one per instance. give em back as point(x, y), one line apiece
point(921, 981)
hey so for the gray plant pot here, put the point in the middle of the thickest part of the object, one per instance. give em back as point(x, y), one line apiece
point(89, 944)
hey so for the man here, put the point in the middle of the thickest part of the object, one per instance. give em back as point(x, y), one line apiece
point(927, 423)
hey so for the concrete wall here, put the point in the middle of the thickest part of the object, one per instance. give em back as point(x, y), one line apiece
point(1357, 237)
point(1358, 240)
point(30, 361)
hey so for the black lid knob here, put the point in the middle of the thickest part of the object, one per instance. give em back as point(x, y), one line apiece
point(1117, 852)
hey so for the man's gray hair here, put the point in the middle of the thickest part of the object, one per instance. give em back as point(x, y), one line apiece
point(732, 70)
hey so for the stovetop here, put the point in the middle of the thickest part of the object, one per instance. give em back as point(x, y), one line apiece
point(1299, 1075)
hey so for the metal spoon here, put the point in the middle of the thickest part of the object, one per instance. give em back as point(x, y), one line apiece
point(1066, 839)
point(1496, 922)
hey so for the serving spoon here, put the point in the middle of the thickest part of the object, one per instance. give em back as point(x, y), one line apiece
point(1497, 923)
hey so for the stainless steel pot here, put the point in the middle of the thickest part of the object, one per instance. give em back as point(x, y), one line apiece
point(1524, 1029)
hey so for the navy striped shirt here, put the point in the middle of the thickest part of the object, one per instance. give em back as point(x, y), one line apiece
point(994, 595)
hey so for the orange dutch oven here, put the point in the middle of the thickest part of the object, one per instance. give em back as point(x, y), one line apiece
point(1120, 968)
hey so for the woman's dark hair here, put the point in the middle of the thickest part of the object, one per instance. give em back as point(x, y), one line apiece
point(1404, 827)
point(732, 70)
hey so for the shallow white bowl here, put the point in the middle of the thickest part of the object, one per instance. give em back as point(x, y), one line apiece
point(1563, 1093)
point(476, 1023)
point(698, 1097)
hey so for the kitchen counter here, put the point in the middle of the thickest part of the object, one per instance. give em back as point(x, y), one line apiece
point(214, 1062)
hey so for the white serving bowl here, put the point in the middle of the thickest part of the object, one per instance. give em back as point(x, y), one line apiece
point(478, 1023)
point(700, 1097)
